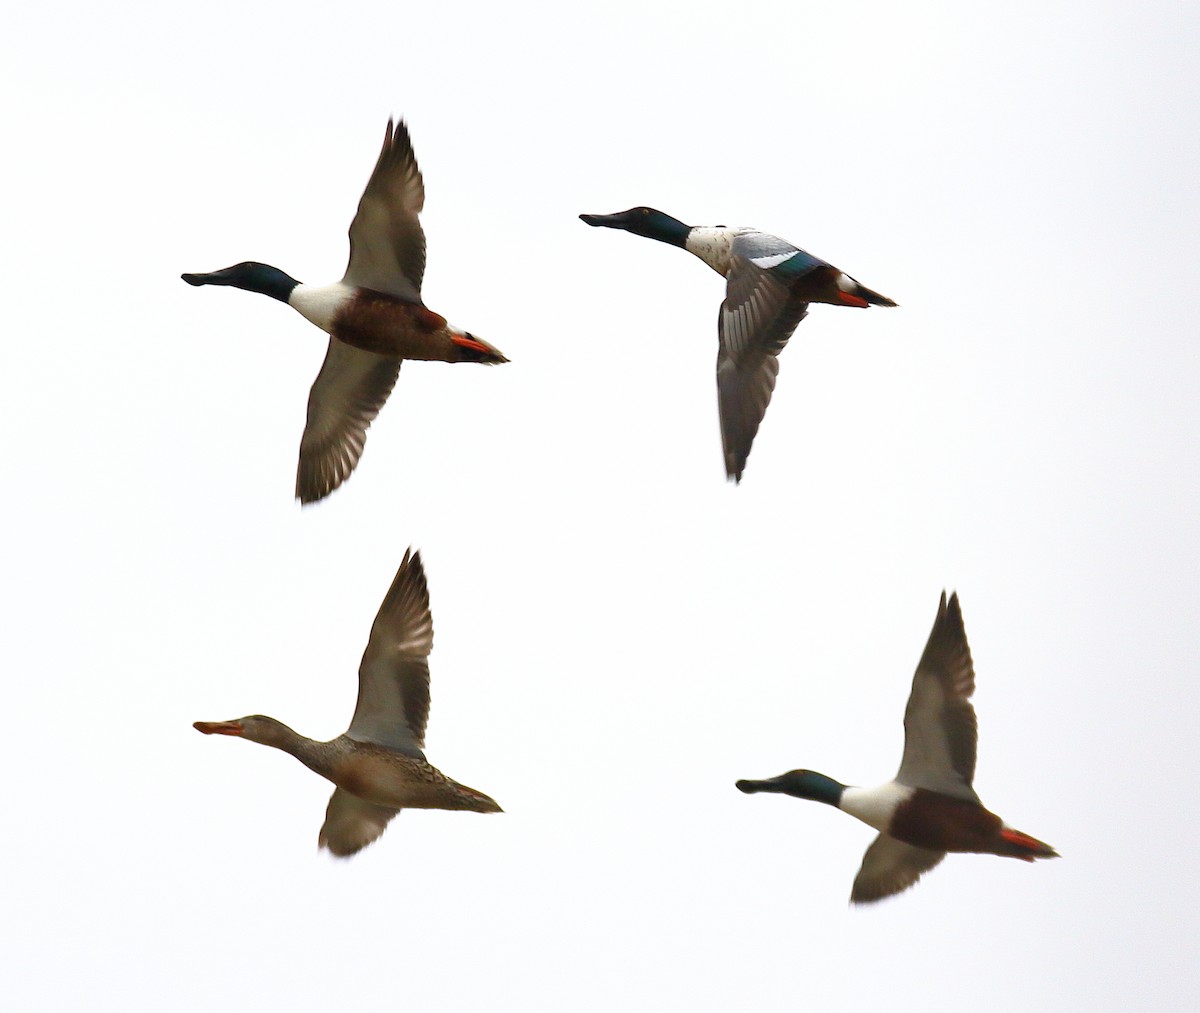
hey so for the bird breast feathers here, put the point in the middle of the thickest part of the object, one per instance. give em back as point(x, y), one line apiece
point(320, 304)
point(713, 245)
point(874, 806)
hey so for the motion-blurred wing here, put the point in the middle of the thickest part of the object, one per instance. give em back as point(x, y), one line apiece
point(351, 824)
point(387, 244)
point(393, 679)
point(890, 866)
point(345, 398)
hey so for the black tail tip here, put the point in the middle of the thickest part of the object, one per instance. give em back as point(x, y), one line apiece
point(471, 349)
point(487, 358)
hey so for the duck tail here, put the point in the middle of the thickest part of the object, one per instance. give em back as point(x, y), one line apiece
point(850, 293)
point(474, 800)
point(473, 349)
point(874, 298)
point(1015, 844)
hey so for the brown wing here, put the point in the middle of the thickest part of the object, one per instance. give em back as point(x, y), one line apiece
point(890, 866)
point(387, 244)
point(940, 731)
point(351, 824)
point(757, 317)
point(393, 679)
point(345, 398)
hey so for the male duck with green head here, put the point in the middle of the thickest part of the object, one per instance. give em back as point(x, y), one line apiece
point(929, 808)
point(374, 317)
point(769, 284)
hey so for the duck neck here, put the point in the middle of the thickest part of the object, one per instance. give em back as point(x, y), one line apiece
point(317, 756)
point(665, 229)
point(800, 784)
point(251, 276)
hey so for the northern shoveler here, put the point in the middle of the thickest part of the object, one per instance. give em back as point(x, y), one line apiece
point(929, 808)
point(374, 317)
point(377, 764)
point(770, 283)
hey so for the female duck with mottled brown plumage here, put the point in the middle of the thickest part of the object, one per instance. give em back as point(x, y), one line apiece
point(378, 764)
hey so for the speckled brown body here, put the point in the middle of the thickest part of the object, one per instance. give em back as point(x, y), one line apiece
point(381, 323)
point(388, 778)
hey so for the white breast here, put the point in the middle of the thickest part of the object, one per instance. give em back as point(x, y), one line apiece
point(320, 303)
point(713, 244)
point(874, 806)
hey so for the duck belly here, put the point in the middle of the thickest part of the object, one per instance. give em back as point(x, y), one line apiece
point(383, 324)
point(944, 823)
point(405, 782)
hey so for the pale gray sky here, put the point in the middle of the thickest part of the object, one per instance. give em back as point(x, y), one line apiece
point(619, 633)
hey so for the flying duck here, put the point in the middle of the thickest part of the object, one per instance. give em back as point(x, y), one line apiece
point(929, 808)
point(374, 317)
point(377, 764)
point(769, 284)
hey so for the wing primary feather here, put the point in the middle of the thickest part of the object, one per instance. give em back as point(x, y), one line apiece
point(387, 243)
point(755, 322)
point(393, 679)
point(351, 823)
point(890, 867)
point(347, 394)
point(940, 727)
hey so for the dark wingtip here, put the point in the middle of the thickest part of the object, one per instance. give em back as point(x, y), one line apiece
point(192, 279)
point(590, 219)
point(310, 495)
point(953, 607)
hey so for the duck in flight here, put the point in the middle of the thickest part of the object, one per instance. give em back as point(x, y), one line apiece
point(377, 764)
point(929, 808)
point(374, 317)
point(769, 284)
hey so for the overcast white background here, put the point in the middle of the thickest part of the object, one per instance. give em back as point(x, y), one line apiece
point(619, 633)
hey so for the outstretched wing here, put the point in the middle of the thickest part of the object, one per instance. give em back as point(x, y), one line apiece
point(345, 398)
point(940, 731)
point(393, 679)
point(387, 244)
point(757, 317)
point(890, 866)
point(351, 824)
